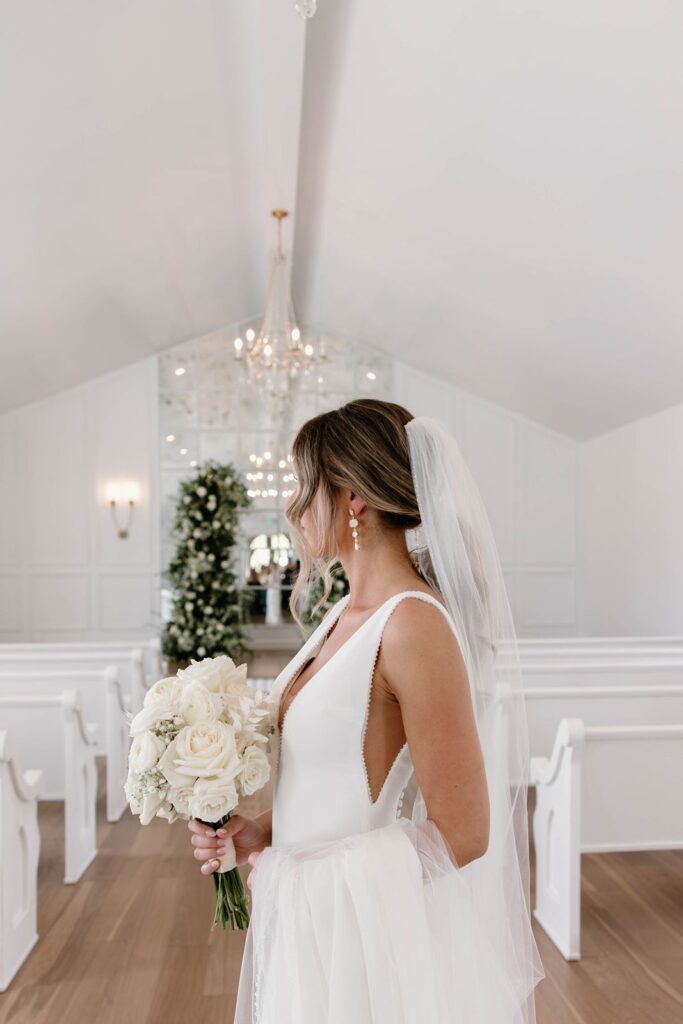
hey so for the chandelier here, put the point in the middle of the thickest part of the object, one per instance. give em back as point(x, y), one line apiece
point(271, 475)
point(277, 355)
point(306, 8)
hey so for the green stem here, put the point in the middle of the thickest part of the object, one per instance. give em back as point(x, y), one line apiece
point(232, 902)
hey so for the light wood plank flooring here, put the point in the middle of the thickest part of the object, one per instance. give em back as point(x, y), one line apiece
point(131, 942)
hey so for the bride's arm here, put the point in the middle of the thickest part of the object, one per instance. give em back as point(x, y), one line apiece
point(421, 663)
point(265, 819)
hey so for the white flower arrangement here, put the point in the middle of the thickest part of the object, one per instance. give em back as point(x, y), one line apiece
point(199, 743)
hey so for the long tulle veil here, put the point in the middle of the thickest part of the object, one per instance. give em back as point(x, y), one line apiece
point(455, 551)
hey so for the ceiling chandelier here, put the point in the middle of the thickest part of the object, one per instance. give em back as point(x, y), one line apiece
point(306, 8)
point(277, 355)
point(271, 476)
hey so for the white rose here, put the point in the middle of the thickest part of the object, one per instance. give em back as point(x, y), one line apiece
point(217, 674)
point(197, 704)
point(181, 796)
point(151, 802)
point(255, 770)
point(167, 810)
point(164, 690)
point(214, 797)
point(145, 751)
point(200, 751)
point(150, 716)
point(160, 701)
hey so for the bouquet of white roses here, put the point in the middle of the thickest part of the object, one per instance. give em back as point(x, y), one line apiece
point(200, 742)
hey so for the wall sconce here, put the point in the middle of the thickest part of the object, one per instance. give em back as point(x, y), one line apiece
point(119, 494)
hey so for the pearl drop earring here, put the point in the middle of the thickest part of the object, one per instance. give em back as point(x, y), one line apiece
point(353, 523)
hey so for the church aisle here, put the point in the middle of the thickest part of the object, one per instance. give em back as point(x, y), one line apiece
point(131, 942)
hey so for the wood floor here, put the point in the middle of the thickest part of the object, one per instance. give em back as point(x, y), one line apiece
point(131, 941)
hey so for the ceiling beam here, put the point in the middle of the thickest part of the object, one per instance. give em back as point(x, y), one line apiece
point(282, 35)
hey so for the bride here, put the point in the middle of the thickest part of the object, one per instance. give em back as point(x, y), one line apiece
point(390, 878)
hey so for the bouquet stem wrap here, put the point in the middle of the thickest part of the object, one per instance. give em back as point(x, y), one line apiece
point(232, 902)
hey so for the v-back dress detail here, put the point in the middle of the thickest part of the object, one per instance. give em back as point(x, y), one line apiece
point(354, 906)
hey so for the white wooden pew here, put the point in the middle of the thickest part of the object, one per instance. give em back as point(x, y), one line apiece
point(604, 788)
point(596, 643)
point(61, 744)
point(19, 856)
point(262, 684)
point(623, 655)
point(605, 668)
point(128, 660)
point(636, 688)
point(102, 702)
point(153, 661)
point(156, 665)
point(546, 706)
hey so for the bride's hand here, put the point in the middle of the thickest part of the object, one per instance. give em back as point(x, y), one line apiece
point(247, 835)
point(253, 860)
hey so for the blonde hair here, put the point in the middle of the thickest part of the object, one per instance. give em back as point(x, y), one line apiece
point(362, 446)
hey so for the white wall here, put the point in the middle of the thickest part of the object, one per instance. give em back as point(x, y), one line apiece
point(612, 507)
point(64, 573)
point(631, 528)
point(527, 475)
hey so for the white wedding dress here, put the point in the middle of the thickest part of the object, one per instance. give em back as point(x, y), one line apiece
point(359, 915)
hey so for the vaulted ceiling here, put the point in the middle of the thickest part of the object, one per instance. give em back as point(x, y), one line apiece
point(489, 191)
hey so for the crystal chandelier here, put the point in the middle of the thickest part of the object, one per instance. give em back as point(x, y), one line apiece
point(271, 475)
point(306, 8)
point(277, 355)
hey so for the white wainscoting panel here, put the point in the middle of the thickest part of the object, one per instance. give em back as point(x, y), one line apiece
point(60, 602)
point(119, 412)
point(64, 572)
point(547, 600)
point(11, 490)
point(548, 506)
point(124, 600)
point(527, 476)
point(489, 440)
point(11, 602)
point(56, 482)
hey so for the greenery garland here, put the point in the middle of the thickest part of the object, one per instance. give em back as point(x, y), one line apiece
point(209, 610)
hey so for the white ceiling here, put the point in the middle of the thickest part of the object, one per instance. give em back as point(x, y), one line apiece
point(490, 191)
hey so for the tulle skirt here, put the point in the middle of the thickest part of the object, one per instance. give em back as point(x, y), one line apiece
point(374, 928)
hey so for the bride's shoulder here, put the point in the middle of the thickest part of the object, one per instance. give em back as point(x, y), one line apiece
point(419, 597)
point(419, 622)
point(419, 642)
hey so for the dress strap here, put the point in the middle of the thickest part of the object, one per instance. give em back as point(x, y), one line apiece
point(389, 608)
point(400, 771)
point(420, 594)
